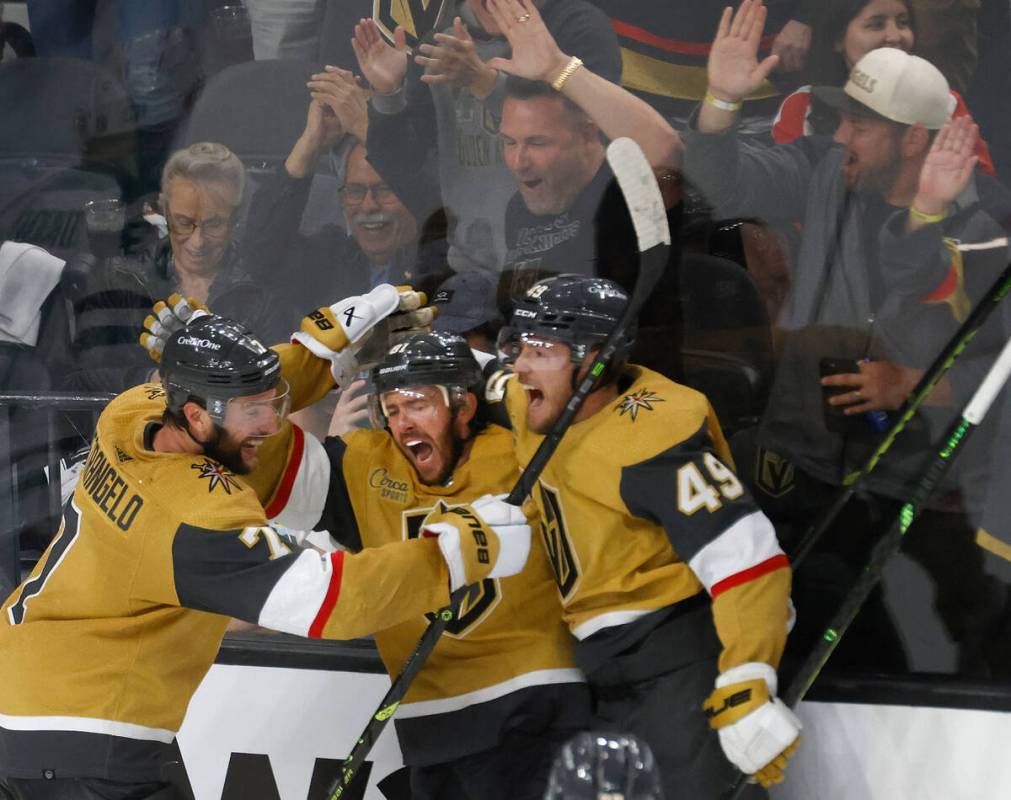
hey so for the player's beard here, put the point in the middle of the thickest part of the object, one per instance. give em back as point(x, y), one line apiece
point(224, 449)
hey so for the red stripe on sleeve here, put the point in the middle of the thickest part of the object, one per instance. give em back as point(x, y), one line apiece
point(946, 288)
point(332, 593)
point(283, 493)
point(671, 45)
point(750, 574)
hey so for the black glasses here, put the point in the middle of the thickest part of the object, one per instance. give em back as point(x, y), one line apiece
point(354, 194)
point(214, 228)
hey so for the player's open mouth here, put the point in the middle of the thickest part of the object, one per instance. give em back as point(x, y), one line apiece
point(422, 451)
point(534, 183)
point(534, 396)
point(373, 226)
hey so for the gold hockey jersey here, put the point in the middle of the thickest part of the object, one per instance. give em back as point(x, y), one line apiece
point(102, 646)
point(509, 649)
point(640, 511)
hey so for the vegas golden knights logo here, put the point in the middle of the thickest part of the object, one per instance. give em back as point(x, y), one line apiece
point(557, 544)
point(417, 17)
point(775, 473)
point(481, 598)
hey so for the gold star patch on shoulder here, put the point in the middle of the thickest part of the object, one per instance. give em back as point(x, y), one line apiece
point(217, 475)
point(643, 399)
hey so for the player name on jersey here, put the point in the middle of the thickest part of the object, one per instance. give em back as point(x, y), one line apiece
point(109, 491)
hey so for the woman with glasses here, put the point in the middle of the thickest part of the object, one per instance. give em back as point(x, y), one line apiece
point(201, 189)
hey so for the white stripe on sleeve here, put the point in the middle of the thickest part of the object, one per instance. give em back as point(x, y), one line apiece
point(296, 598)
point(748, 542)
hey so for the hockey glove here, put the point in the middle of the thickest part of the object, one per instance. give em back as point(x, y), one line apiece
point(168, 316)
point(757, 731)
point(339, 333)
point(487, 539)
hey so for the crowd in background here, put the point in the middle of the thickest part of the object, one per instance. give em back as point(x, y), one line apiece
point(269, 157)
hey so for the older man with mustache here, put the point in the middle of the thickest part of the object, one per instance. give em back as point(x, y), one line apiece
point(379, 242)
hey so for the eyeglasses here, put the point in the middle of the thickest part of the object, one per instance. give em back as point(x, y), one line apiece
point(214, 228)
point(354, 194)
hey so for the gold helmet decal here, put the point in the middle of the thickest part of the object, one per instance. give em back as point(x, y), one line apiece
point(417, 17)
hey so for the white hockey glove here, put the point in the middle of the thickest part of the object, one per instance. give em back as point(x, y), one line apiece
point(339, 333)
point(166, 317)
point(487, 539)
point(757, 731)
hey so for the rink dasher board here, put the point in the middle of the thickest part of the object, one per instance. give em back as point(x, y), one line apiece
point(850, 750)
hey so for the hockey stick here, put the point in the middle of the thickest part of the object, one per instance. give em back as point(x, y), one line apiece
point(937, 370)
point(889, 544)
point(649, 217)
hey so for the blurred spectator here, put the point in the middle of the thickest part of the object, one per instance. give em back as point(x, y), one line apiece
point(567, 215)
point(380, 243)
point(880, 284)
point(288, 30)
point(555, 151)
point(989, 91)
point(456, 114)
point(664, 48)
point(159, 56)
point(948, 37)
point(202, 186)
point(845, 31)
point(467, 307)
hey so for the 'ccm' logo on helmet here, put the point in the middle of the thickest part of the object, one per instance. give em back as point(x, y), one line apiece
point(522, 312)
point(193, 341)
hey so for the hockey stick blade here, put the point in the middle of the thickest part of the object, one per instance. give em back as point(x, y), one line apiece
point(649, 217)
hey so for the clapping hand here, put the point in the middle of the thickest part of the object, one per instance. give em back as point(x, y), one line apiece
point(454, 60)
point(341, 102)
point(383, 66)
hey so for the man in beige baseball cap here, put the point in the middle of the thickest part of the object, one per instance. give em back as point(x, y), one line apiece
point(888, 109)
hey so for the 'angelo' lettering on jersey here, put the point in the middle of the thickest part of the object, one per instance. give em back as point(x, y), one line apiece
point(388, 487)
point(108, 491)
point(557, 544)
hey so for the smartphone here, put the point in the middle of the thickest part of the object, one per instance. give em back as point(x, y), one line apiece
point(835, 420)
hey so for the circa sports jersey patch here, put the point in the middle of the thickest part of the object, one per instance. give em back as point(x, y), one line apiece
point(217, 476)
point(389, 488)
point(643, 399)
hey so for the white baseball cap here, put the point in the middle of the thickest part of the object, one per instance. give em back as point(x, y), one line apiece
point(895, 85)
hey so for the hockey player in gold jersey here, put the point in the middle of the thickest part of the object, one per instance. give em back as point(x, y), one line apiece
point(670, 577)
point(102, 646)
point(500, 693)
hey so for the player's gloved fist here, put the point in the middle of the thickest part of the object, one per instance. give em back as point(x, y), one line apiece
point(338, 333)
point(487, 539)
point(166, 317)
point(757, 731)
